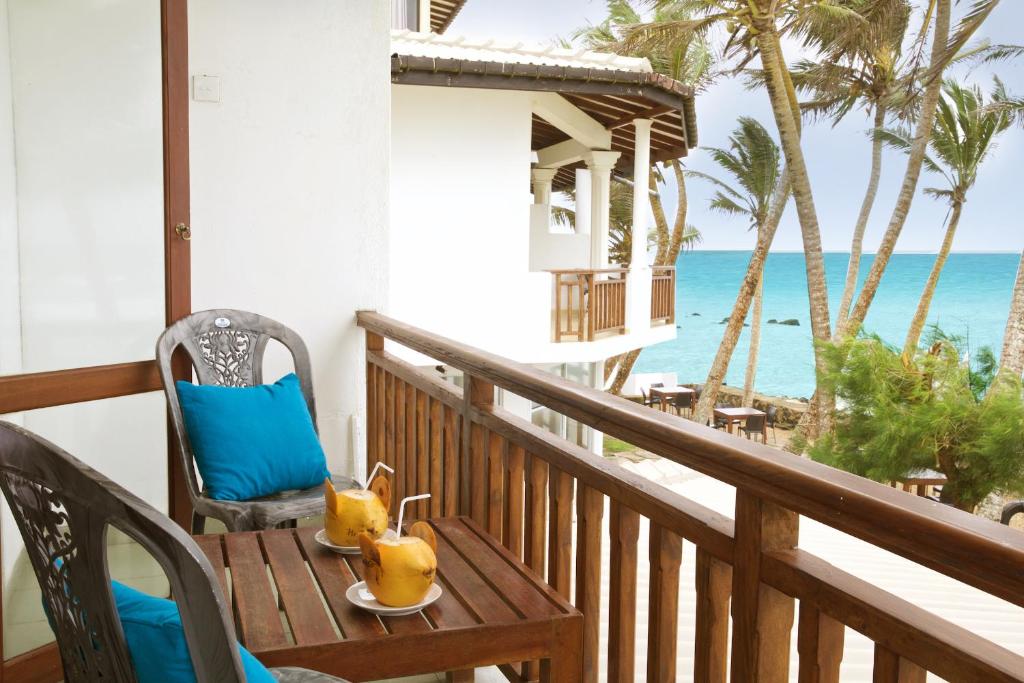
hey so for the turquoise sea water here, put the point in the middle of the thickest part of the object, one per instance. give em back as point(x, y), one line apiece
point(972, 298)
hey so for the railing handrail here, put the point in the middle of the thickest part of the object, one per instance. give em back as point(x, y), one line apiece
point(588, 271)
point(973, 550)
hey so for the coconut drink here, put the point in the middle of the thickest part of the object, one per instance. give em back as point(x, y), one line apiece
point(400, 570)
point(353, 512)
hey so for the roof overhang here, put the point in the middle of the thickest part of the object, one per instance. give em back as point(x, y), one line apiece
point(612, 97)
point(442, 12)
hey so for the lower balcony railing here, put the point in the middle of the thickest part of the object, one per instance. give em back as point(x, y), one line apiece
point(589, 303)
point(663, 294)
point(526, 486)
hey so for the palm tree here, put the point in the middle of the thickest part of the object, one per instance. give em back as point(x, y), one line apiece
point(860, 65)
point(1011, 361)
point(689, 62)
point(753, 160)
point(963, 136)
point(943, 50)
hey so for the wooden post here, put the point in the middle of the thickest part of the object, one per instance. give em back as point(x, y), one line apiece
point(891, 668)
point(560, 487)
point(590, 510)
point(762, 616)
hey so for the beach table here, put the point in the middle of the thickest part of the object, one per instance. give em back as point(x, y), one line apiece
point(734, 415)
point(920, 481)
point(287, 593)
point(668, 394)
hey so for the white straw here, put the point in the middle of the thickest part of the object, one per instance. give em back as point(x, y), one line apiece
point(374, 473)
point(401, 509)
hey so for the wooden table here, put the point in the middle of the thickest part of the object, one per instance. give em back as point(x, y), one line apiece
point(666, 394)
point(921, 480)
point(733, 415)
point(494, 610)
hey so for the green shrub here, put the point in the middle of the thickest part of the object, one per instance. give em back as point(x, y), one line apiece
point(935, 410)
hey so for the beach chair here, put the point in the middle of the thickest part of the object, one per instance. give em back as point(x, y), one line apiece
point(755, 425)
point(683, 402)
point(770, 417)
point(650, 400)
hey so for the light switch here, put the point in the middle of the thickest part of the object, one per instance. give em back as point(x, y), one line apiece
point(206, 88)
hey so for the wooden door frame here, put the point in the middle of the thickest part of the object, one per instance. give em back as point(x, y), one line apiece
point(32, 391)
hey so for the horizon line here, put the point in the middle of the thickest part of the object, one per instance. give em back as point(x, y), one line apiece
point(871, 253)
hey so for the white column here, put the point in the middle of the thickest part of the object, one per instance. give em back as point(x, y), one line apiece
point(423, 16)
point(638, 286)
point(542, 179)
point(600, 164)
point(583, 201)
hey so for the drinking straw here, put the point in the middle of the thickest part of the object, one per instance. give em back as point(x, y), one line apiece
point(401, 509)
point(373, 473)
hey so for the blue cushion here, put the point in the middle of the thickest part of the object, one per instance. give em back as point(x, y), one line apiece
point(156, 641)
point(252, 441)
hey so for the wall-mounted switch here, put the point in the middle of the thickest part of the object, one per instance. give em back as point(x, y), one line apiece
point(206, 88)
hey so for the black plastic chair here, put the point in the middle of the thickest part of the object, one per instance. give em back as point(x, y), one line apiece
point(63, 509)
point(651, 400)
point(770, 417)
point(1010, 510)
point(683, 402)
point(754, 425)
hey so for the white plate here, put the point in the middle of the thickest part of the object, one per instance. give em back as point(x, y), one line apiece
point(360, 596)
point(322, 538)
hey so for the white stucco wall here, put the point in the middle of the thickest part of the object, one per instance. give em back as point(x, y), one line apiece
point(10, 313)
point(290, 179)
point(460, 218)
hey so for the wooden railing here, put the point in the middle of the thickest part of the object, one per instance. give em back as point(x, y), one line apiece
point(589, 302)
point(663, 294)
point(525, 485)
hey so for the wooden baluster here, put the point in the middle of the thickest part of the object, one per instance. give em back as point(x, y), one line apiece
point(436, 459)
point(711, 641)
point(476, 393)
point(379, 418)
point(452, 462)
point(560, 487)
point(591, 290)
point(478, 474)
point(410, 446)
point(762, 617)
point(514, 500)
point(672, 295)
point(558, 307)
point(389, 425)
point(891, 668)
point(666, 554)
point(820, 644)
point(374, 342)
point(400, 464)
point(422, 456)
point(495, 484)
point(590, 510)
point(624, 531)
point(536, 514)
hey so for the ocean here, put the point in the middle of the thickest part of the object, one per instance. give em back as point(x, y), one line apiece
point(972, 299)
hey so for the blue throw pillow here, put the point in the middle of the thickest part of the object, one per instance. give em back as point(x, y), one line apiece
point(156, 641)
point(252, 441)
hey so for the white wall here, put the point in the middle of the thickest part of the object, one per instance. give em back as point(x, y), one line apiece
point(460, 218)
point(290, 178)
point(553, 250)
point(10, 313)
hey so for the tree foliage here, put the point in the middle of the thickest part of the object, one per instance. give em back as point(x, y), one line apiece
point(939, 410)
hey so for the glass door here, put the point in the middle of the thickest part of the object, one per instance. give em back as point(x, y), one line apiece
point(94, 258)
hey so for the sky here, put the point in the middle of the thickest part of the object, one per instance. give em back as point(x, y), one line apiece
point(838, 158)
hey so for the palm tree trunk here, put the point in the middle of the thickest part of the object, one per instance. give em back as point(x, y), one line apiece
point(857, 244)
point(1011, 361)
point(789, 135)
point(720, 365)
point(660, 221)
point(922, 134)
point(679, 229)
point(755, 344)
point(921, 315)
point(625, 366)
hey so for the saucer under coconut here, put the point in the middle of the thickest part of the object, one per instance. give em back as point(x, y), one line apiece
point(323, 539)
point(360, 596)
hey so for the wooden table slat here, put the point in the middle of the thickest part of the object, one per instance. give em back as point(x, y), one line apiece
point(253, 599)
point(210, 545)
point(465, 580)
point(496, 571)
point(334, 577)
point(306, 616)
